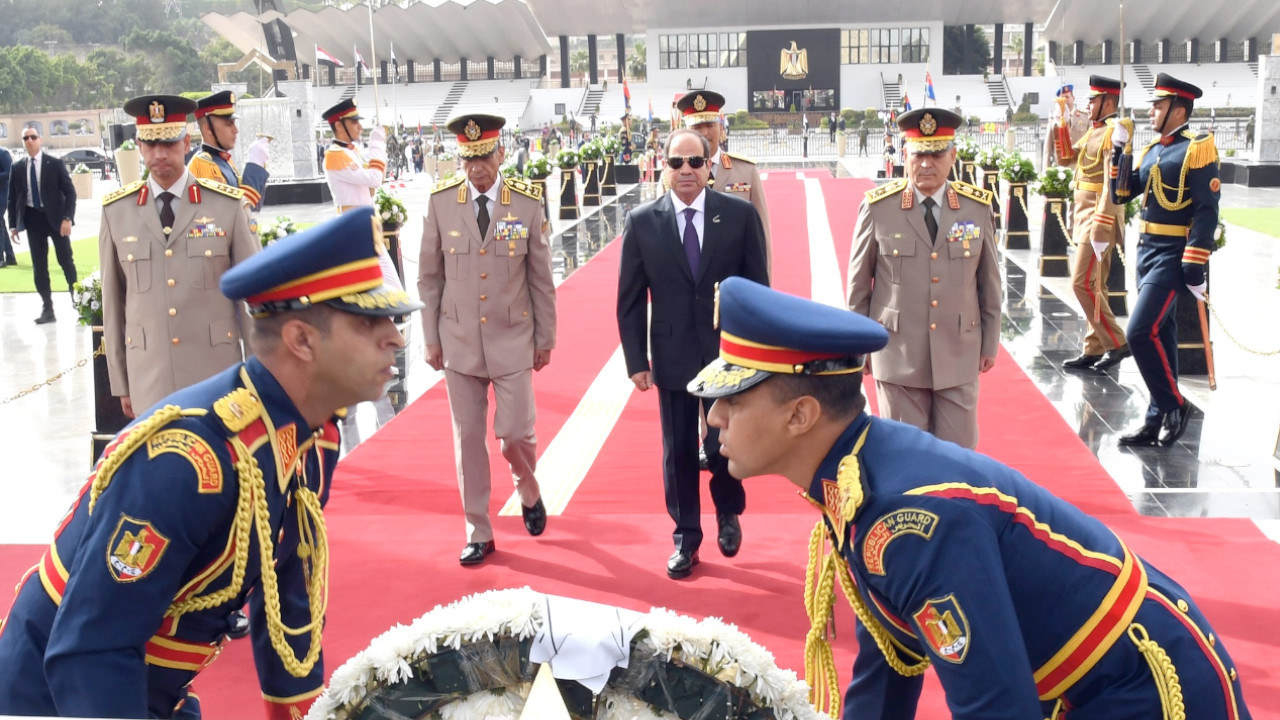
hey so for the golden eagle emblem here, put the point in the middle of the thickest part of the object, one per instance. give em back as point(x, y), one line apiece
point(156, 110)
point(472, 131)
point(928, 125)
point(795, 62)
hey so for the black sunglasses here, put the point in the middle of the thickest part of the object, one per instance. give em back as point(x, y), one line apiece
point(30, 137)
point(675, 162)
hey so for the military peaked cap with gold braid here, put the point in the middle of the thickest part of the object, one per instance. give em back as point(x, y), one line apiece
point(764, 332)
point(336, 262)
point(160, 118)
point(929, 130)
point(477, 133)
point(700, 106)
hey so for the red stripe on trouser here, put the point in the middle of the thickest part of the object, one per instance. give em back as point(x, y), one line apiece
point(1164, 357)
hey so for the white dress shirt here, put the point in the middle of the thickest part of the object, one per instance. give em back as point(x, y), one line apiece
point(699, 217)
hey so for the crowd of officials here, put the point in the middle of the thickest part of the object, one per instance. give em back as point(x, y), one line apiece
point(239, 363)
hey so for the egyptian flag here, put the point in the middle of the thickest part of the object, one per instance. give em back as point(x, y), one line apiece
point(626, 95)
point(906, 102)
point(360, 60)
point(322, 56)
point(928, 87)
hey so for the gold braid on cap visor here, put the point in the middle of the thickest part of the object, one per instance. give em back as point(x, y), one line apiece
point(162, 131)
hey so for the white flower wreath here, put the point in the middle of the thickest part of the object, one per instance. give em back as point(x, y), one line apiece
point(666, 659)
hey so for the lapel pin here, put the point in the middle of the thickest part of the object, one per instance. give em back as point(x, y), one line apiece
point(715, 219)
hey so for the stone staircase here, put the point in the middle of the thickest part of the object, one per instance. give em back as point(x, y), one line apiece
point(450, 102)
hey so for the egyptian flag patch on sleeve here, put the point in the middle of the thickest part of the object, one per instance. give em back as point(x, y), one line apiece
point(135, 549)
point(943, 625)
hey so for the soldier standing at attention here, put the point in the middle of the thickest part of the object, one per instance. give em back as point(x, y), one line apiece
point(352, 178)
point(924, 266)
point(213, 499)
point(1178, 176)
point(163, 244)
point(1024, 606)
point(1098, 228)
point(216, 118)
point(489, 319)
point(1077, 123)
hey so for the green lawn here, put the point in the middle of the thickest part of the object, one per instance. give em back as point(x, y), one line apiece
point(20, 279)
point(1263, 220)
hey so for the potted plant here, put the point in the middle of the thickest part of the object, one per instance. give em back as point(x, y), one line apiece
point(128, 162)
point(1017, 170)
point(509, 169)
point(567, 160)
point(272, 232)
point(988, 160)
point(1055, 184)
point(82, 179)
point(610, 147)
point(392, 213)
point(537, 169)
point(446, 166)
point(966, 156)
point(591, 152)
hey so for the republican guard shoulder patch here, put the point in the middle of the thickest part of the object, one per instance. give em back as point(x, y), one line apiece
point(135, 549)
point(195, 450)
point(943, 625)
point(890, 526)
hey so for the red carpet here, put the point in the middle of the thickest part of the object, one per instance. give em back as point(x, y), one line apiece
point(395, 524)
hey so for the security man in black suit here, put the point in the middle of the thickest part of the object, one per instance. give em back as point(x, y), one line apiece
point(674, 251)
point(46, 209)
point(6, 248)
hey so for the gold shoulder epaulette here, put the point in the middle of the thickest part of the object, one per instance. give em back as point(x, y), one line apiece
point(447, 183)
point(886, 190)
point(125, 191)
point(527, 189)
point(742, 158)
point(238, 409)
point(971, 192)
point(1201, 151)
point(222, 188)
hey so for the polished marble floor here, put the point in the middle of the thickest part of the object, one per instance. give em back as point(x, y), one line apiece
point(1226, 465)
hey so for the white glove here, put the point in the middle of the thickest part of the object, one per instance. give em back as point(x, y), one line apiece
point(378, 143)
point(258, 152)
point(1198, 290)
point(1099, 248)
point(1120, 135)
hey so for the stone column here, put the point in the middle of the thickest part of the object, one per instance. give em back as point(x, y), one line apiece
point(1266, 133)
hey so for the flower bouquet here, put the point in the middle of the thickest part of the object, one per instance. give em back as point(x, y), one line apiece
point(537, 167)
point(610, 146)
point(478, 657)
point(1054, 182)
point(509, 169)
point(966, 148)
point(568, 159)
point(989, 158)
point(591, 150)
point(1016, 168)
point(270, 233)
point(86, 295)
point(389, 208)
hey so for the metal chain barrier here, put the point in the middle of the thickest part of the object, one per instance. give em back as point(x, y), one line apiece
point(83, 361)
point(1213, 308)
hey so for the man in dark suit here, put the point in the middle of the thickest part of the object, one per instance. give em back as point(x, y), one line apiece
point(45, 209)
point(6, 247)
point(674, 251)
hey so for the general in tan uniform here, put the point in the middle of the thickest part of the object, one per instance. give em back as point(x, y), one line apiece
point(924, 265)
point(490, 319)
point(1097, 228)
point(730, 173)
point(166, 324)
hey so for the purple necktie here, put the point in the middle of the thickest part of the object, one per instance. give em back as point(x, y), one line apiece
point(691, 249)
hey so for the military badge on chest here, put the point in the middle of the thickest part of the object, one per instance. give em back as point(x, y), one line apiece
point(965, 233)
point(206, 227)
point(510, 230)
point(135, 549)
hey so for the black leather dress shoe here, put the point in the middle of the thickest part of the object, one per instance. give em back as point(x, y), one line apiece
point(1175, 423)
point(730, 534)
point(3, 262)
point(237, 625)
point(1145, 435)
point(46, 316)
point(475, 553)
point(1111, 358)
point(535, 518)
point(1081, 362)
point(681, 563)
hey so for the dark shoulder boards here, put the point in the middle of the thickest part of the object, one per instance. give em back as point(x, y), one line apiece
point(886, 190)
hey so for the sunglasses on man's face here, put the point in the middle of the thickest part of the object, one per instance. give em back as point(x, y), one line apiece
point(675, 162)
point(30, 137)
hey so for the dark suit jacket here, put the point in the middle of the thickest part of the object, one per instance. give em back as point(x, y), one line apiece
point(57, 193)
point(682, 338)
point(6, 166)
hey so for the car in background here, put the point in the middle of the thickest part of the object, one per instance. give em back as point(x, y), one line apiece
point(92, 159)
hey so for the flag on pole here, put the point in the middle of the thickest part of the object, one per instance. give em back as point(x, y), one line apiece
point(322, 56)
point(906, 102)
point(360, 60)
point(626, 95)
point(394, 66)
point(928, 87)
point(650, 109)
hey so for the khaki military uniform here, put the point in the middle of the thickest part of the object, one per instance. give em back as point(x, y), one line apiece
point(940, 302)
point(489, 303)
point(1077, 124)
point(166, 325)
point(739, 176)
point(1095, 219)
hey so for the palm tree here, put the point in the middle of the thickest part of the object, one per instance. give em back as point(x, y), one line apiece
point(638, 61)
point(579, 62)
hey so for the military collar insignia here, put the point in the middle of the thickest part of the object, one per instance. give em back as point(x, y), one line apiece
point(953, 199)
point(156, 111)
point(472, 131)
point(238, 409)
point(699, 103)
point(928, 125)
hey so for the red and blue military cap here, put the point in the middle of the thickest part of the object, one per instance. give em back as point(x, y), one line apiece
point(1099, 85)
point(222, 104)
point(1067, 88)
point(160, 118)
point(337, 262)
point(764, 332)
point(344, 110)
point(1169, 86)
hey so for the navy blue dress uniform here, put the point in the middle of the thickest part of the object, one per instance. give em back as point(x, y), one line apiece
point(213, 498)
point(1025, 606)
point(1178, 177)
point(214, 163)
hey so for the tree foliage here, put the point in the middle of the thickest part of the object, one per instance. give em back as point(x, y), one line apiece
point(953, 51)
